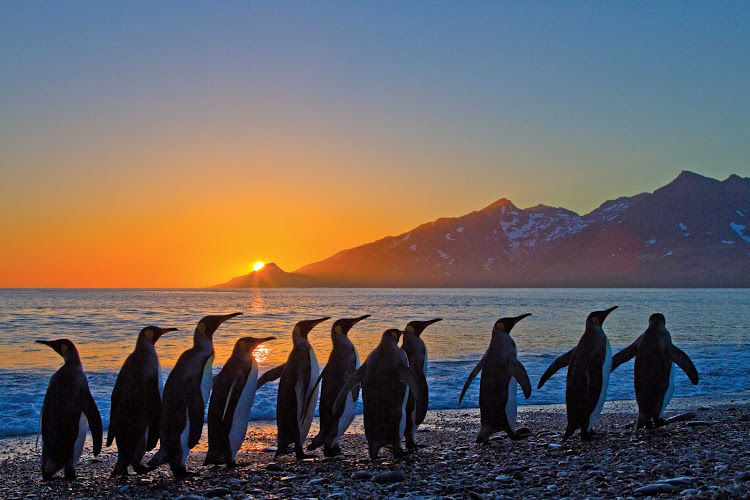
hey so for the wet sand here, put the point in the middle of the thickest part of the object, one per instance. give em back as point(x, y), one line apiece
point(708, 458)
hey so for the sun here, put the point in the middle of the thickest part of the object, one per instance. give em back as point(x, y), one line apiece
point(258, 265)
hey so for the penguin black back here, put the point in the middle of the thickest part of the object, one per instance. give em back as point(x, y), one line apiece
point(68, 411)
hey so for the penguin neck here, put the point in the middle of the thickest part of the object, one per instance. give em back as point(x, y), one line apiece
point(71, 358)
point(201, 343)
point(242, 354)
point(144, 344)
point(299, 340)
point(593, 330)
point(496, 332)
point(340, 340)
point(389, 340)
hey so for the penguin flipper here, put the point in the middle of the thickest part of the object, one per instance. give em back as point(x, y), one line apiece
point(683, 361)
point(114, 412)
point(309, 398)
point(153, 407)
point(270, 375)
point(94, 418)
point(556, 365)
point(354, 379)
point(470, 378)
point(195, 415)
point(409, 377)
point(519, 373)
point(626, 354)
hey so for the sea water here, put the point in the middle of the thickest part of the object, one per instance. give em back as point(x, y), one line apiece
point(711, 325)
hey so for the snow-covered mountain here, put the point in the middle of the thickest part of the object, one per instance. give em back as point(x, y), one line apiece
point(695, 231)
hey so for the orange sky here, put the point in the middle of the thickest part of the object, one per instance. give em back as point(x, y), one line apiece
point(172, 146)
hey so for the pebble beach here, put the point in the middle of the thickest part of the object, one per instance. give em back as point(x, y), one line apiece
point(708, 457)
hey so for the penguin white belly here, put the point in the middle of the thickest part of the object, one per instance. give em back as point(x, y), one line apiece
point(402, 424)
point(83, 427)
point(350, 408)
point(207, 379)
point(670, 390)
point(161, 379)
point(312, 395)
point(424, 365)
point(242, 412)
point(511, 407)
point(184, 450)
point(606, 370)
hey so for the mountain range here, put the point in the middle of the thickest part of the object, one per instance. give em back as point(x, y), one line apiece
point(693, 232)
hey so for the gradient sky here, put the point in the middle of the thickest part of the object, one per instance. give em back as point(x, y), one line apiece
point(170, 144)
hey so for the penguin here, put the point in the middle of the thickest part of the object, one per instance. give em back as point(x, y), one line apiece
point(68, 411)
point(342, 363)
point(416, 352)
point(231, 400)
point(136, 403)
point(589, 365)
point(501, 374)
point(653, 375)
point(386, 381)
point(185, 396)
point(297, 388)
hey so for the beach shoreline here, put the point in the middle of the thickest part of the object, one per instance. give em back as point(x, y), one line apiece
point(709, 460)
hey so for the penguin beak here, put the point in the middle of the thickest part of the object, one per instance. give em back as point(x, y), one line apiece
point(316, 322)
point(165, 330)
point(428, 323)
point(261, 341)
point(605, 313)
point(519, 318)
point(222, 319)
point(357, 320)
point(45, 342)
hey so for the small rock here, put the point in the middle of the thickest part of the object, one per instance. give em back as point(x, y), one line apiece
point(217, 492)
point(389, 477)
point(269, 449)
point(690, 492)
point(362, 475)
point(126, 488)
point(698, 423)
point(319, 480)
point(654, 489)
point(476, 496)
point(554, 446)
point(274, 467)
point(678, 481)
point(191, 497)
point(503, 478)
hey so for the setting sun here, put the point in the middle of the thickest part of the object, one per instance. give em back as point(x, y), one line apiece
point(258, 265)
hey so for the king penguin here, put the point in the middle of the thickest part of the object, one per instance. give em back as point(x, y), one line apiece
point(386, 381)
point(185, 396)
point(136, 403)
point(231, 400)
point(67, 412)
point(501, 374)
point(416, 352)
point(653, 375)
point(294, 410)
point(589, 365)
point(342, 363)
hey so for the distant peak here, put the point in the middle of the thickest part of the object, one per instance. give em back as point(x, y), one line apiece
point(270, 267)
point(501, 203)
point(691, 177)
point(736, 179)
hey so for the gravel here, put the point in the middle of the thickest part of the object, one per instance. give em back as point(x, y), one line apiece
point(677, 461)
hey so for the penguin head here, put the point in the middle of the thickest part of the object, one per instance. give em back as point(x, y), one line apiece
point(657, 320)
point(597, 318)
point(343, 325)
point(248, 344)
point(505, 325)
point(417, 327)
point(64, 348)
point(208, 325)
point(152, 333)
point(392, 333)
point(304, 327)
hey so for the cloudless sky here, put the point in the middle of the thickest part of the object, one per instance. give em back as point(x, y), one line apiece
point(173, 144)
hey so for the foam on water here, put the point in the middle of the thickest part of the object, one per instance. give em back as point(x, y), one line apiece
point(706, 324)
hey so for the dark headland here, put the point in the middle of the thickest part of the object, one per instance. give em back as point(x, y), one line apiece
point(693, 232)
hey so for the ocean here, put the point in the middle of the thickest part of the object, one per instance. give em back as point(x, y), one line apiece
point(711, 325)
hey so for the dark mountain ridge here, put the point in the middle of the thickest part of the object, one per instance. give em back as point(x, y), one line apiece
point(693, 232)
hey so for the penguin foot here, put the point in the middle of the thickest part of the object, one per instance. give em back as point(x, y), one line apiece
point(140, 469)
point(413, 446)
point(331, 451)
point(303, 456)
point(70, 475)
point(180, 472)
point(519, 434)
